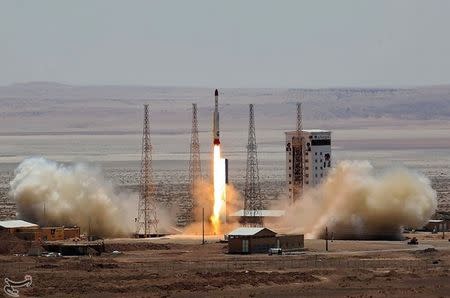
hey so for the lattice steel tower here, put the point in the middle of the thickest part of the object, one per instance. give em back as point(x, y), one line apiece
point(195, 174)
point(297, 156)
point(147, 220)
point(252, 193)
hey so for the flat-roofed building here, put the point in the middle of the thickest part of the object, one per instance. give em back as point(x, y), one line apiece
point(309, 164)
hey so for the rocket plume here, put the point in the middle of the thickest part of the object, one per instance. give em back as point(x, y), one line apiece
point(50, 193)
point(219, 190)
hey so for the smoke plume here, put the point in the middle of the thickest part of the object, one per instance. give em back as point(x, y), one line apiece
point(49, 193)
point(354, 203)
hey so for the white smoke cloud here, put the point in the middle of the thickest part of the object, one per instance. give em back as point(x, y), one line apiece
point(75, 194)
point(354, 203)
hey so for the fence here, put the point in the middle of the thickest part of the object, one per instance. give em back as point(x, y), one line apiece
point(267, 264)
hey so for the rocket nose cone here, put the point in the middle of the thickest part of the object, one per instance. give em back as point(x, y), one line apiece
point(216, 93)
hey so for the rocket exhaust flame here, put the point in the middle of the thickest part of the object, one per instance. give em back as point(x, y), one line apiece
point(219, 190)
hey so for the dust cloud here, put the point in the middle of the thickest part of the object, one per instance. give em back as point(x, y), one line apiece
point(355, 203)
point(50, 193)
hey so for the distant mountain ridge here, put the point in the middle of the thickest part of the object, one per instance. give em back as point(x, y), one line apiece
point(49, 106)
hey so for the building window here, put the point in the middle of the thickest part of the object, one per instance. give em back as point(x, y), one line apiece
point(290, 175)
point(320, 153)
point(290, 182)
point(289, 168)
point(289, 160)
point(315, 160)
point(316, 175)
point(315, 153)
point(321, 175)
point(307, 182)
point(320, 160)
point(324, 164)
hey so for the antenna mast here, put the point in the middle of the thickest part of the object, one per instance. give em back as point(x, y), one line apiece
point(195, 174)
point(297, 152)
point(147, 220)
point(252, 194)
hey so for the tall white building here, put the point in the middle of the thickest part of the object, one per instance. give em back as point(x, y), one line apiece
point(313, 160)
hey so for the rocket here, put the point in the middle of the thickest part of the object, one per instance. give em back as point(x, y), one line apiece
point(216, 136)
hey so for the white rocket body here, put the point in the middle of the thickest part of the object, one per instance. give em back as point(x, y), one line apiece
point(216, 135)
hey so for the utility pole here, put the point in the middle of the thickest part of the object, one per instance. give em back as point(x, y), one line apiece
point(147, 217)
point(203, 225)
point(252, 192)
point(326, 238)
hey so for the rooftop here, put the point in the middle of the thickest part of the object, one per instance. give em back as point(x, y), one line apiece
point(310, 131)
point(12, 224)
point(244, 231)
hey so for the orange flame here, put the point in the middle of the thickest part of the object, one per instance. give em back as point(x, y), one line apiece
point(219, 190)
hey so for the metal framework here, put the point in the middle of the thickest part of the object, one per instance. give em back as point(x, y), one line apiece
point(187, 206)
point(297, 156)
point(252, 193)
point(147, 220)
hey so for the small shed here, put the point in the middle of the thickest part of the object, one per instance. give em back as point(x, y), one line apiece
point(437, 225)
point(251, 240)
point(20, 228)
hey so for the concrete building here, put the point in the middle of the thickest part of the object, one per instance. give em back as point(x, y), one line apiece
point(260, 240)
point(314, 161)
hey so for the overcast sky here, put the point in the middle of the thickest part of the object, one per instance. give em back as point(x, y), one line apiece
point(226, 43)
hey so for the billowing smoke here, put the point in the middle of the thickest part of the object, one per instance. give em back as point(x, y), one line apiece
point(49, 193)
point(355, 203)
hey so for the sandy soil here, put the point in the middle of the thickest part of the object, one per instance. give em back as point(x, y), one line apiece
point(182, 267)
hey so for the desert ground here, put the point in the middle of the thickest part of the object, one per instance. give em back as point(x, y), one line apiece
point(101, 126)
point(180, 266)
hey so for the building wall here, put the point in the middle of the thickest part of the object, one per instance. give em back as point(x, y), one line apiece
point(30, 233)
point(255, 245)
point(71, 233)
point(290, 242)
point(262, 245)
point(45, 233)
point(52, 233)
point(316, 145)
point(235, 245)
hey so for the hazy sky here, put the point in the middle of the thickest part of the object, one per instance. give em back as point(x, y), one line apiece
point(226, 43)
